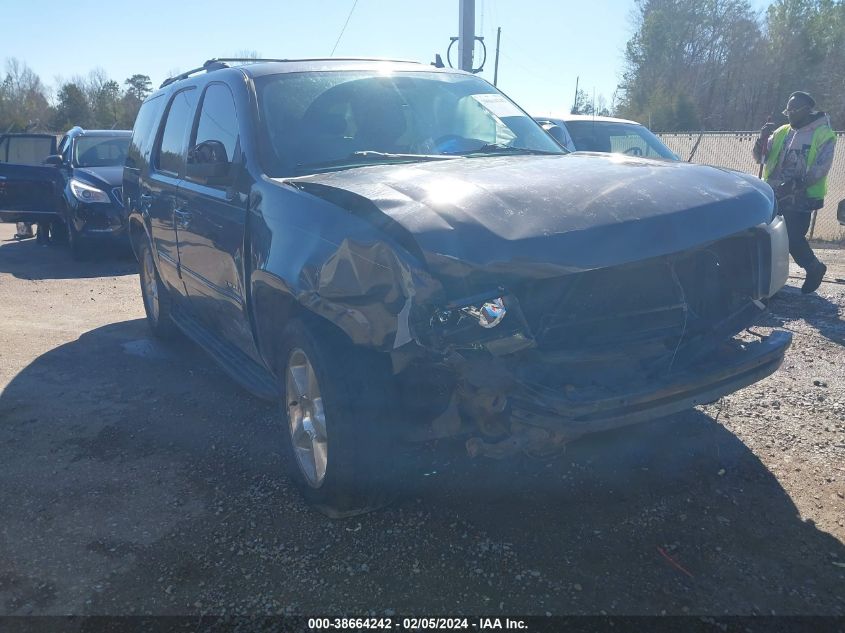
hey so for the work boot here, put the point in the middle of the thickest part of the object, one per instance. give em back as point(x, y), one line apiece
point(813, 278)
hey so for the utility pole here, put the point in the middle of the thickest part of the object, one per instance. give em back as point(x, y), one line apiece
point(466, 34)
point(496, 66)
point(575, 101)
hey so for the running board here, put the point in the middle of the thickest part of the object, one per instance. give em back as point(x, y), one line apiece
point(245, 371)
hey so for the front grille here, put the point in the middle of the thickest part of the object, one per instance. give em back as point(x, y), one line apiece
point(654, 301)
point(97, 222)
point(118, 194)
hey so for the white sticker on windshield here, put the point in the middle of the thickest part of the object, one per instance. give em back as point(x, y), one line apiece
point(497, 105)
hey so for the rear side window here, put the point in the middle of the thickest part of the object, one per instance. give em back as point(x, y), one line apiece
point(179, 119)
point(142, 133)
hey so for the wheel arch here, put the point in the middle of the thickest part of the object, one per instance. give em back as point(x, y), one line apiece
point(137, 232)
point(273, 305)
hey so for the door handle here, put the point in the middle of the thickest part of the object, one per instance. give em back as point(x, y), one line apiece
point(183, 218)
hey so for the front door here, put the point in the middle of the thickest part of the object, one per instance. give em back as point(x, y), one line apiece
point(29, 190)
point(211, 219)
point(158, 195)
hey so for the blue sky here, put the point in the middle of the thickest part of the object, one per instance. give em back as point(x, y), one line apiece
point(546, 44)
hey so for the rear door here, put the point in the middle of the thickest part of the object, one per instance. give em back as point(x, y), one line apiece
point(29, 190)
point(211, 220)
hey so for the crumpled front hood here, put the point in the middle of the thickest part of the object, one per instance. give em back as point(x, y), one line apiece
point(545, 215)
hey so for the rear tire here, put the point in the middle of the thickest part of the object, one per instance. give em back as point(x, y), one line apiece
point(339, 421)
point(157, 303)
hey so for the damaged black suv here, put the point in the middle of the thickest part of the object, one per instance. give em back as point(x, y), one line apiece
point(397, 252)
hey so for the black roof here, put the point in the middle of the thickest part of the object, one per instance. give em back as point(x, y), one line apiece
point(311, 65)
point(258, 67)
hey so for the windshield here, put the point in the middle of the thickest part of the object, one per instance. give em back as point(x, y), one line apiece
point(328, 120)
point(623, 138)
point(100, 151)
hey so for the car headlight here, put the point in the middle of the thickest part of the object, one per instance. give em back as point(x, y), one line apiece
point(779, 262)
point(487, 313)
point(491, 321)
point(87, 193)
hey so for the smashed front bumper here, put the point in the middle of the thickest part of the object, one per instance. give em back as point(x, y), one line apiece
point(100, 221)
point(606, 348)
point(734, 366)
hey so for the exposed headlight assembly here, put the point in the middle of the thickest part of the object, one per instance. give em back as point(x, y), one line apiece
point(86, 193)
point(491, 321)
point(489, 314)
point(486, 313)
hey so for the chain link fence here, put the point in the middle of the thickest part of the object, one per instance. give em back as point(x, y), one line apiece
point(733, 150)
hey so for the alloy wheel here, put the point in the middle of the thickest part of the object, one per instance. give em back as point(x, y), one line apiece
point(150, 285)
point(306, 418)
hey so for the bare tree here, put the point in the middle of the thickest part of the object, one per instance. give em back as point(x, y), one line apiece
point(24, 100)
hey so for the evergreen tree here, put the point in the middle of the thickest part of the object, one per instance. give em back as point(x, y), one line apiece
point(72, 108)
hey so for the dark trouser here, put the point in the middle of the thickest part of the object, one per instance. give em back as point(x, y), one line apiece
point(43, 235)
point(797, 225)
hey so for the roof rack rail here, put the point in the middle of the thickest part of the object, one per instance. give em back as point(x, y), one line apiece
point(208, 66)
point(223, 62)
point(312, 59)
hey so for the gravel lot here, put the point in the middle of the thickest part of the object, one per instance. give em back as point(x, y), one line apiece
point(137, 478)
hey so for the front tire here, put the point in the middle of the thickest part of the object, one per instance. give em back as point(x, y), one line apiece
point(79, 248)
point(338, 412)
point(157, 304)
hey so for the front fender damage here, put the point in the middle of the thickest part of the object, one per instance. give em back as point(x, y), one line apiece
point(367, 290)
point(377, 296)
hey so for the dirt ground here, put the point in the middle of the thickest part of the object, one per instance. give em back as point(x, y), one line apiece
point(137, 478)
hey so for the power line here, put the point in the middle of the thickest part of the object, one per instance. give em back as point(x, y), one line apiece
point(530, 69)
point(348, 17)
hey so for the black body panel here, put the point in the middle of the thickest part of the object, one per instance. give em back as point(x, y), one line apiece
point(30, 193)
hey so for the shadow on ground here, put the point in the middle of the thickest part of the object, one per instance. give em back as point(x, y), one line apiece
point(821, 313)
point(27, 260)
point(139, 479)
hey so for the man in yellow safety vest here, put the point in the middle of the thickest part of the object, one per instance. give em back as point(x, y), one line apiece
point(796, 159)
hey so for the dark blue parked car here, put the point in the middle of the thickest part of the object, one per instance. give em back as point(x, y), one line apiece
point(77, 190)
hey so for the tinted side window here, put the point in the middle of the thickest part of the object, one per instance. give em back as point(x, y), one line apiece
point(218, 121)
point(179, 119)
point(142, 132)
point(27, 150)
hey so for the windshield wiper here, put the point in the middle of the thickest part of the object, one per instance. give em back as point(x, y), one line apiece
point(365, 157)
point(498, 148)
